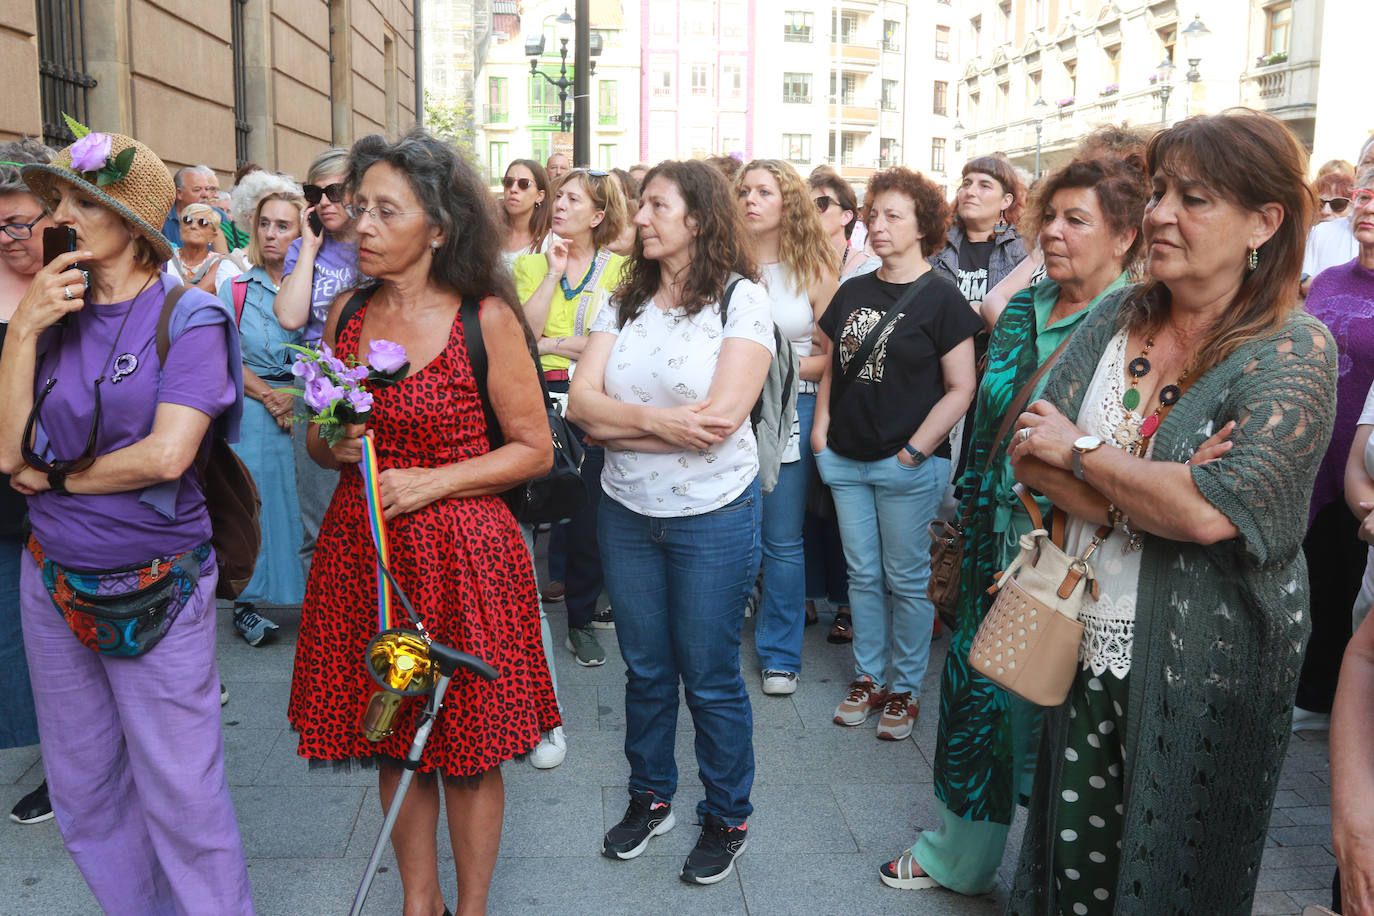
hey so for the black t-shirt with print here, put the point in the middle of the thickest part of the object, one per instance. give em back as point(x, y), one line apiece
point(974, 258)
point(902, 381)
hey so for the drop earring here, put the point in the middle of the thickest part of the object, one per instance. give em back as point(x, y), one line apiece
point(1252, 259)
point(1002, 224)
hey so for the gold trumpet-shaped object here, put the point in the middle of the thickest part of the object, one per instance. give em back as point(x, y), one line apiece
point(399, 662)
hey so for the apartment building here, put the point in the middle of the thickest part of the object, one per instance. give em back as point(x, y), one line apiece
point(1039, 74)
point(266, 81)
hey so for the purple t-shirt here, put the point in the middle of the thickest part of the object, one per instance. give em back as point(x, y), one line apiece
point(336, 271)
point(107, 531)
point(1342, 298)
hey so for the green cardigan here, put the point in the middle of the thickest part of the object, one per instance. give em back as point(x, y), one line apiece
point(1219, 632)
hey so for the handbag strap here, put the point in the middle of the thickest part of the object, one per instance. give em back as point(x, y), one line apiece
point(1058, 521)
point(584, 299)
point(865, 348)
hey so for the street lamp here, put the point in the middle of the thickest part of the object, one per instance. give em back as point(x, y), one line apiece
point(565, 27)
point(958, 129)
point(1195, 40)
point(1165, 75)
point(1038, 109)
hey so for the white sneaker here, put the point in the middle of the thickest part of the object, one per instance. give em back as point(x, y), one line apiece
point(779, 683)
point(551, 750)
point(1305, 720)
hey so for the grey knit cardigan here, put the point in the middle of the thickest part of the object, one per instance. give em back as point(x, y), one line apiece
point(1219, 633)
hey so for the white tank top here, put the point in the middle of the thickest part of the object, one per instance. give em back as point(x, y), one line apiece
point(791, 307)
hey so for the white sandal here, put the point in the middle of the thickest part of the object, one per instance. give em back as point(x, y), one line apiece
point(901, 874)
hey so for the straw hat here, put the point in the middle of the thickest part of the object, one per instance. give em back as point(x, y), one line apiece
point(143, 197)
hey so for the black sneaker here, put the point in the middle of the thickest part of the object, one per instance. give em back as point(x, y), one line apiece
point(713, 857)
point(644, 818)
point(33, 808)
point(603, 619)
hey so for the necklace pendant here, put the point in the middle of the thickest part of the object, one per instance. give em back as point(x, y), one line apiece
point(1147, 428)
point(1131, 399)
point(1139, 367)
point(124, 364)
point(1125, 436)
point(1170, 395)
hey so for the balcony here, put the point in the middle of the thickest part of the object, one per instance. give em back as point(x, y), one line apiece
point(853, 51)
point(1287, 90)
point(849, 113)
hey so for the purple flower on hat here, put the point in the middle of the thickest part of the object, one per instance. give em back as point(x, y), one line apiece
point(386, 356)
point(90, 152)
point(321, 394)
point(359, 400)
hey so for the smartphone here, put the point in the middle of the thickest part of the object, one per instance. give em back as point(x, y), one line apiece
point(316, 225)
point(58, 240)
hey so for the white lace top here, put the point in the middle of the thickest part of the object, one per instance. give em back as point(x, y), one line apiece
point(1109, 622)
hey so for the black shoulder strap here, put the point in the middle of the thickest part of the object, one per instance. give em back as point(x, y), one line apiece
point(350, 311)
point(730, 283)
point(470, 313)
point(860, 357)
point(164, 324)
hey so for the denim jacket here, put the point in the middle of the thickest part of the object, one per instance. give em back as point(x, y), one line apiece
point(1006, 254)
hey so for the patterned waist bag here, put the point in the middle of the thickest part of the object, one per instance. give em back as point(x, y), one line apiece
point(122, 612)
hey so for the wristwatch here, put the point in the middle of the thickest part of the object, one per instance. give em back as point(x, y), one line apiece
point(917, 456)
point(57, 482)
point(1081, 446)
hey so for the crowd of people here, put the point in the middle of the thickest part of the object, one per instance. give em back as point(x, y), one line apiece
point(778, 383)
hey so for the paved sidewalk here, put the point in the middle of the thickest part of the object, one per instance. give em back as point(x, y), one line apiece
point(832, 803)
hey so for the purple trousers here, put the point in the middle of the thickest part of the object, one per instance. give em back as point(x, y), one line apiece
point(134, 756)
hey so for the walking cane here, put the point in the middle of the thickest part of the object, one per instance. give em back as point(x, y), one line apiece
point(447, 661)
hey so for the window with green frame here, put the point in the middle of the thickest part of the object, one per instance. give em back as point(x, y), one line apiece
point(605, 154)
point(608, 106)
point(541, 146)
point(498, 151)
point(544, 100)
point(498, 99)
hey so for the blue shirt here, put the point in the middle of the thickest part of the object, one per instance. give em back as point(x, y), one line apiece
point(261, 336)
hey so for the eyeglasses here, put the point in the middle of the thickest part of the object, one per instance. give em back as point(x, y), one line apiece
point(1362, 198)
point(21, 231)
point(823, 203)
point(522, 183)
point(383, 214)
point(200, 221)
point(66, 465)
point(335, 192)
point(1337, 204)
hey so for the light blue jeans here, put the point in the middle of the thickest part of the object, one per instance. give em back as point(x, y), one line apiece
point(883, 508)
point(782, 611)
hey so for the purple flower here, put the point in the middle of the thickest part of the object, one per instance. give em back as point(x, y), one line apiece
point(335, 366)
point(386, 356)
point(304, 368)
point(356, 375)
point(90, 152)
point(359, 400)
point(321, 393)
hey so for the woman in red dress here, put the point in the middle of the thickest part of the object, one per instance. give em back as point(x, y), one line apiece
point(426, 231)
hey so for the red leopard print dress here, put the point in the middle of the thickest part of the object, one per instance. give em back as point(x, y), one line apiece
point(464, 564)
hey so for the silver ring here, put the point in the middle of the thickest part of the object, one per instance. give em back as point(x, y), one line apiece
point(1026, 434)
point(67, 292)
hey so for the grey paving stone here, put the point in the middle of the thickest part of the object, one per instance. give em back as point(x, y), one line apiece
point(245, 751)
point(818, 757)
point(29, 842)
point(1305, 835)
point(51, 887)
point(1295, 856)
point(1274, 903)
point(1292, 879)
point(17, 762)
point(787, 821)
point(306, 822)
point(884, 819)
point(1316, 795)
point(835, 883)
point(288, 887)
point(256, 704)
point(1310, 814)
point(284, 767)
point(648, 884)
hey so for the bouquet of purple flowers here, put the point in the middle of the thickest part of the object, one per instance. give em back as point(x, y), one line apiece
point(338, 390)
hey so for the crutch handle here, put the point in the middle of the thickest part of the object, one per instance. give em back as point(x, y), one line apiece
point(450, 660)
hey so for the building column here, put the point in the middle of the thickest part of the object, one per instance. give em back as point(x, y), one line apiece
point(261, 101)
point(106, 28)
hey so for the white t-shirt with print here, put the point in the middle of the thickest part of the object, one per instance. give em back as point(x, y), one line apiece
point(667, 359)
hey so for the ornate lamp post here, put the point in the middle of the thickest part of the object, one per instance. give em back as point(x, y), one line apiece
point(1038, 110)
point(1166, 75)
point(1195, 40)
point(534, 49)
point(587, 46)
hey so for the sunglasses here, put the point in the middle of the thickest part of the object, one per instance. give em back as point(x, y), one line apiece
point(823, 203)
point(313, 192)
point(200, 221)
point(597, 173)
point(522, 183)
point(1337, 204)
point(66, 465)
point(21, 231)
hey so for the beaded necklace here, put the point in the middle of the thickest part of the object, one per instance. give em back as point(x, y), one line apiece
point(570, 292)
point(1137, 369)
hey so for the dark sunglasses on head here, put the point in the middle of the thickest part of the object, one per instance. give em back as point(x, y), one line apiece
point(522, 183)
point(200, 221)
point(1337, 204)
point(823, 203)
point(313, 192)
point(597, 173)
point(66, 465)
point(21, 231)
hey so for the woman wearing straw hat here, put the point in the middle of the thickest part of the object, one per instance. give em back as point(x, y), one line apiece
point(101, 434)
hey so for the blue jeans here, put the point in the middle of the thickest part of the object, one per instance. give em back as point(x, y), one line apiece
point(18, 721)
point(778, 630)
point(678, 586)
point(883, 507)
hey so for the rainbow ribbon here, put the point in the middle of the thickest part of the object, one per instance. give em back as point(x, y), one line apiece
point(372, 496)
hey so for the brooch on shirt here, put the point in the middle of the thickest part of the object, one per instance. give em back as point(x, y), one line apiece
point(124, 364)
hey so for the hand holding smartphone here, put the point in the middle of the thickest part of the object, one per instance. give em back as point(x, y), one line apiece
point(59, 240)
point(316, 225)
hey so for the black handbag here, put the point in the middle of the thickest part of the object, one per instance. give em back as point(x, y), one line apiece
point(560, 493)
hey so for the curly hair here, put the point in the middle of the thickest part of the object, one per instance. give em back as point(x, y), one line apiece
point(456, 201)
point(825, 178)
point(1000, 168)
point(26, 151)
point(1252, 160)
point(719, 248)
point(254, 253)
point(802, 246)
point(1116, 141)
point(1122, 191)
point(252, 187)
point(728, 166)
point(928, 199)
point(603, 189)
point(542, 213)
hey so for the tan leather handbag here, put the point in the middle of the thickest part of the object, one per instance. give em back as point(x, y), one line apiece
point(1028, 642)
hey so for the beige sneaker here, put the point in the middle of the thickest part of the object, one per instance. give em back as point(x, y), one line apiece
point(899, 714)
point(865, 698)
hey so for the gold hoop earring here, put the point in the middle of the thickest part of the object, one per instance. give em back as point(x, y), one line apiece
point(1252, 259)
